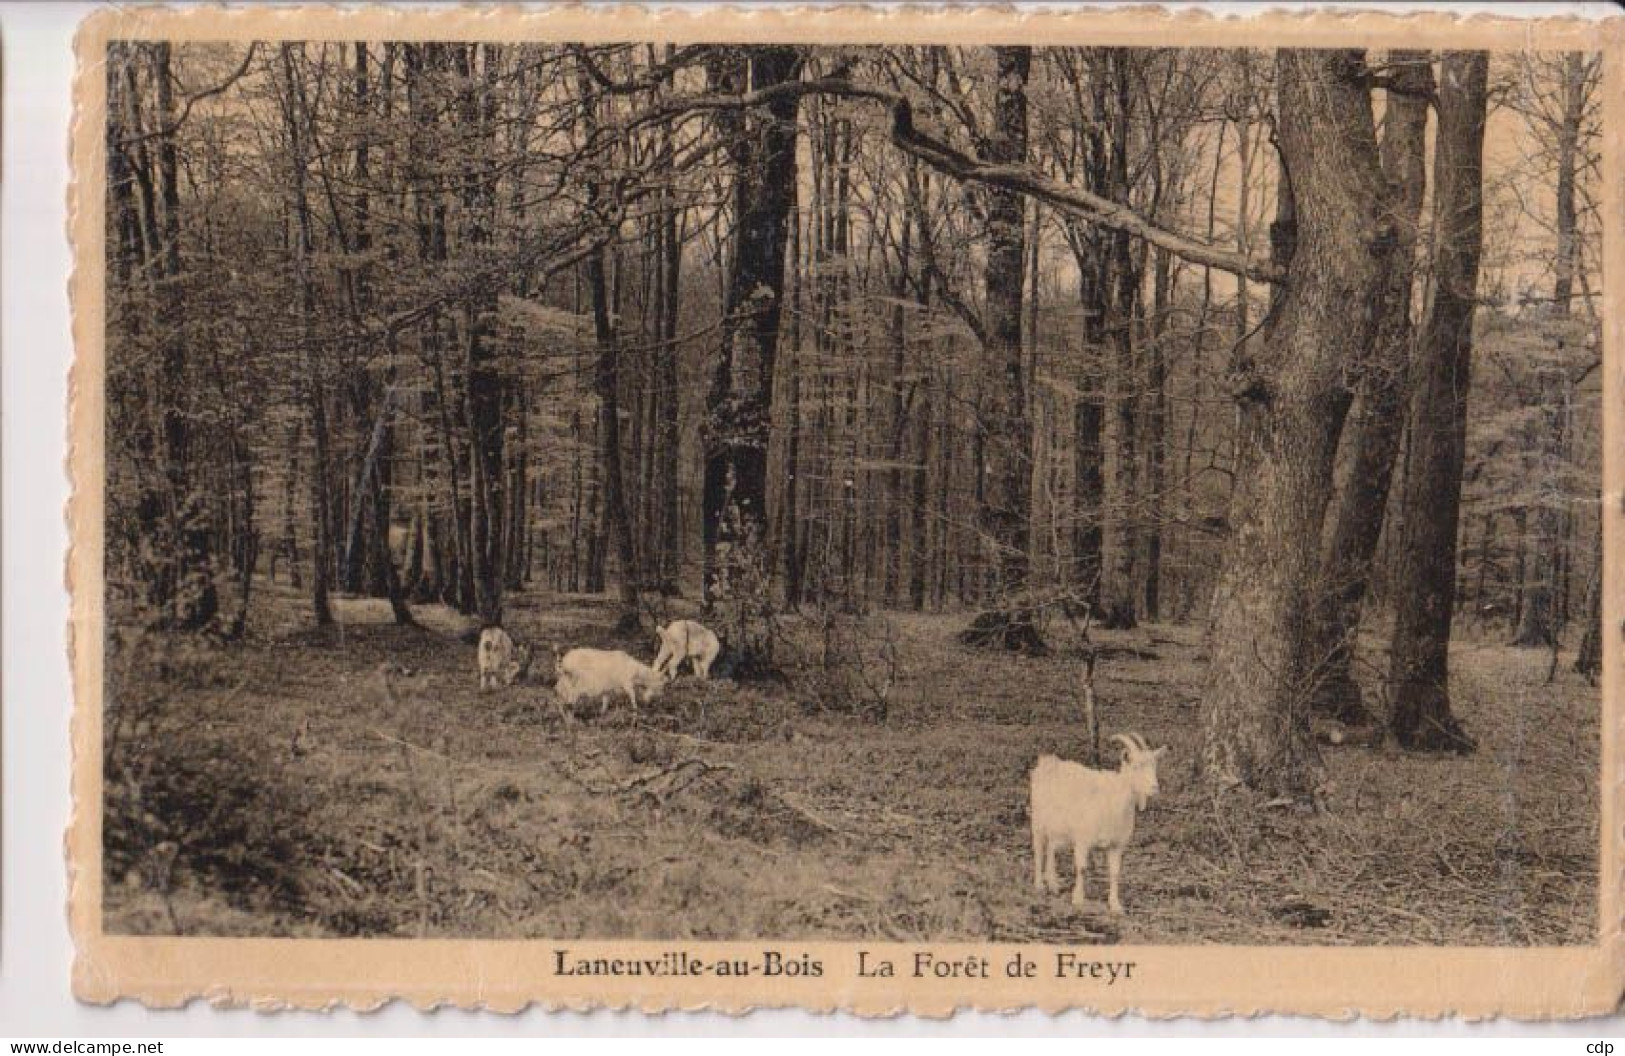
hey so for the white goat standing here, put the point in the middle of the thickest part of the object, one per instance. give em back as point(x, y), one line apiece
point(686, 640)
point(587, 673)
point(1074, 805)
point(500, 661)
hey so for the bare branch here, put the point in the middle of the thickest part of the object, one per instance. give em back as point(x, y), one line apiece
point(1023, 179)
point(194, 99)
point(657, 75)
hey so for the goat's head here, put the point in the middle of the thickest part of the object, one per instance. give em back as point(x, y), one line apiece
point(1140, 764)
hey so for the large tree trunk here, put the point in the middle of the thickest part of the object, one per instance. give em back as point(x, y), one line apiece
point(1293, 400)
point(1005, 510)
point(1383, 388)
point(1426, 580)
point(738, 406)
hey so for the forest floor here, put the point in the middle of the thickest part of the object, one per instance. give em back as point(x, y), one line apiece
point(304, 796)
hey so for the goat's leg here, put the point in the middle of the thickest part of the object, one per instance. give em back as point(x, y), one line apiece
point(1080, 865)
point(1038, 860)
point(1114, 866)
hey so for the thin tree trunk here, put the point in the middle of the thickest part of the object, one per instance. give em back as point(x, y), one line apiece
point(1539, 625)
point(177, 509)
point(898, 424)
point(1588, 662)
point(1119, 530)
point(485, 386)
point(1156, 432)
point(790, 530)
point(1244, 158)
point(320, 483)
point(607, 382)
point(668, 467)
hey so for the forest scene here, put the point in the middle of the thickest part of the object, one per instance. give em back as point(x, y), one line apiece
point(649, 490)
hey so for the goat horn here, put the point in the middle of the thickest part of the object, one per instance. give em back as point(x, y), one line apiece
point(1128, 746)
point(1139, 742)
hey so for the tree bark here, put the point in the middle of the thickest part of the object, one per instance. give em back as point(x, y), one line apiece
point(1292, 402)
point(1382, 392)
point(1425, 606)
point(738, 405)
point(1005, 511)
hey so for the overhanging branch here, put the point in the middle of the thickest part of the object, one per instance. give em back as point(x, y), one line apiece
point(945, 157)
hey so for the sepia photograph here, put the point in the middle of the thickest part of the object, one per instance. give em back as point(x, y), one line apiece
point(915, 491)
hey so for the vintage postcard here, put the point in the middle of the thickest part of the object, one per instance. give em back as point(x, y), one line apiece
point(891, 511)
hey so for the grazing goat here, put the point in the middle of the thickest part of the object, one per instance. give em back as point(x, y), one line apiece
point(596, 672)
point(501, 662)
point(1073, 805)
point(686, 640)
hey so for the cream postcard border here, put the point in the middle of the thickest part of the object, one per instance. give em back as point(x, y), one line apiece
point(1525, 983)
